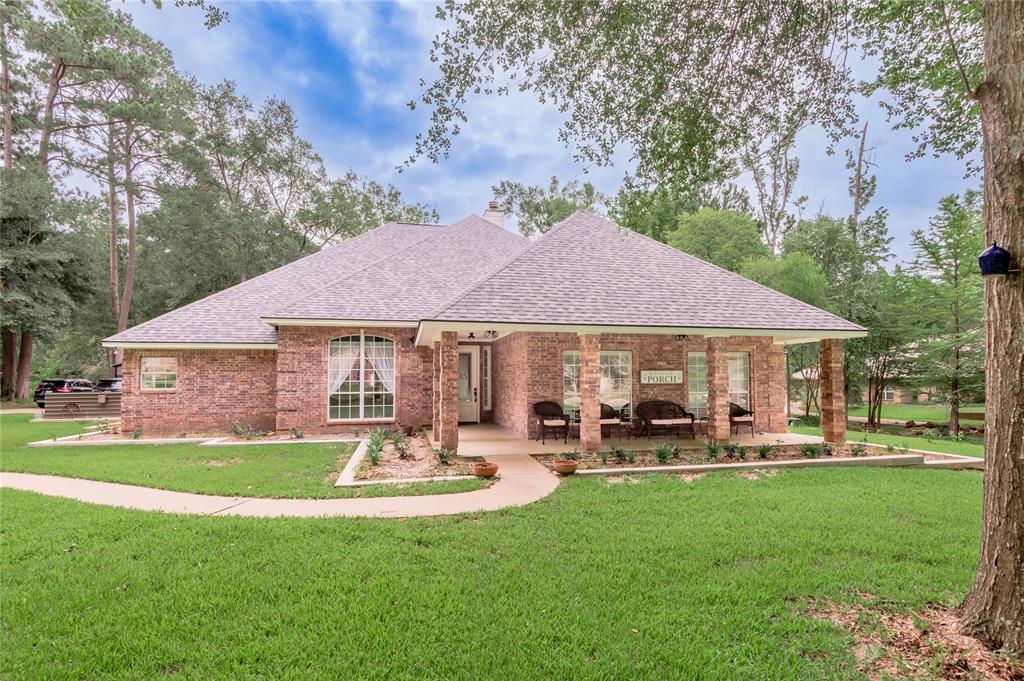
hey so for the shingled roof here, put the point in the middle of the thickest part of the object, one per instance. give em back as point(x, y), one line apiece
point(585, 271)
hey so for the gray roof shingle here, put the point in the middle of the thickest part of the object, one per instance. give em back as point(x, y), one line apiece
point(586, 270)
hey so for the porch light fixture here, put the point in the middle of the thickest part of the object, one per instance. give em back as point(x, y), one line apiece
point(680, 336)
point(995, 261)
point(490, 334)
point(472, 336)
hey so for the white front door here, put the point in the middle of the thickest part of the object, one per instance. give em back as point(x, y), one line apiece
point(469, 384)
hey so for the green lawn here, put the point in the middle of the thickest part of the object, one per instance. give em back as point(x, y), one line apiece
point(934, 445)
point(286, 470)
point(17, 404)
point(660, 579)
point(936, 413)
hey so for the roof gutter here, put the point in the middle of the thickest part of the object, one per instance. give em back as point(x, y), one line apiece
point(429, 327)
point(305, 321)
point(141, 345)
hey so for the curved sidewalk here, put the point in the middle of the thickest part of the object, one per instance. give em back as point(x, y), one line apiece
point(523, 480)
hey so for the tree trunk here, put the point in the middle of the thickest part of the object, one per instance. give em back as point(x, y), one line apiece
point(24, 366)
point(994, 609)
point(10, 360)
point(113, 255)
point(953, 423)
point(129, 270)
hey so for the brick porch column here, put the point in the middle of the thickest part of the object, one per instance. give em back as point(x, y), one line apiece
point(448, 391)
point(590, 392)
point(718, 390)
point(777, 394)
point(833, 395)
point(435, 401)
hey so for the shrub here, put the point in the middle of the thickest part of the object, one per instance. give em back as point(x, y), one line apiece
point(826, 449)
point(809, 450)
point(764, 450)
point(604, 456)
point(571, 456)
point(444, 456)
point(619, 454)
point(662, 452)
point(930, 434)
point(730, 450)
point(630, 456)
point(676, 451)
point(136, 434)
point(402, 449)
point(741, 452)
point(858, 449)
point(890, 448)
point(712, 451)
point(377, 437)
point(242, 429)
point(295, 433)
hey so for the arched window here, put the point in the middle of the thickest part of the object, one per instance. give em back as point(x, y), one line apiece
point(361, 378)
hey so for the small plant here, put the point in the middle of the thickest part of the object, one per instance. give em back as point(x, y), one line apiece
point(764, 451)
point(295, 433)
point(730, 450)
point(662, 452)
point(619, 454)
point(741, 452)
point(890, 448)
point(858, 449)
point(630, 456)
point(930, 434)
point(604, 457)
point(826, 449)
point(397, 437)
point(242, 429)
point(903, 449)
point(911, 424)
point(181, 435)
point(373, 453)
point(676, 451)
point(571, 456)
point(444, 456)
point(377, 438)
point(402, 449)
point(136, 434)
point(809, 450)
point(712, 451)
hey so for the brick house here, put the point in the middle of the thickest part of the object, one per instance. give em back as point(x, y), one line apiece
point(437, 325)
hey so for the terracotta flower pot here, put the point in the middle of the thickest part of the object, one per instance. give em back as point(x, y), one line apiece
point(485, 469)
point(407, 430)
point(566, 466)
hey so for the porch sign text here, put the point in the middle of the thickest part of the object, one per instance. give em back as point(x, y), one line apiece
point(661, 376)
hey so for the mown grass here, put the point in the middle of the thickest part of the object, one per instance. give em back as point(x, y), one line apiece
point(286, 470)
point(936, 413)
point(937, 444)
point(659, 579)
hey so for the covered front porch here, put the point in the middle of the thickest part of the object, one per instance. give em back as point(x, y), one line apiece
point(489, 439)
point(489, 382)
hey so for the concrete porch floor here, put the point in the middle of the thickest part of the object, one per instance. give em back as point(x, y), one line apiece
point(488, 439)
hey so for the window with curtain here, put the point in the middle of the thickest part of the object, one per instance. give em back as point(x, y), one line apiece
point(616, 380)
point(739, 378)
point(361, 378)
point(697, 383)
point(159, 373)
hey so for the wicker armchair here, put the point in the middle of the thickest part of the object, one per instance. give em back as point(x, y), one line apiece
point(664, 416)
point(610, 419)
point(550, 417)
point(740, 417)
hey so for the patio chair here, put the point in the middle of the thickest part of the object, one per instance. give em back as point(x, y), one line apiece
point(610, 419)
point(550, 417)
point(739, 417)
point(664, 416)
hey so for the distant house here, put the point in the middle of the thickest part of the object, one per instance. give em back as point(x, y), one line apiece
point(442, 325)
point(891, 394)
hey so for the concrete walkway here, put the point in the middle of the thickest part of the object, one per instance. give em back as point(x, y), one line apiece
point(522, 481)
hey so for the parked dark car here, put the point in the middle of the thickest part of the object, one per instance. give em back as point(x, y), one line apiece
point(108, 385)
point(60, 385)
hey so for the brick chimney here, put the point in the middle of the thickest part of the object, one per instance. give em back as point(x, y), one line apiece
point(494, 214)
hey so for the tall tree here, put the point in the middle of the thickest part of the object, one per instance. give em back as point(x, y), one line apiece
point(537, 209)
point(721, 237)
point(774, 172)
point(947, 306)
point(688, 86)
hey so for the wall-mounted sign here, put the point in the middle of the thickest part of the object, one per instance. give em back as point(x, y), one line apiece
point(667, 376)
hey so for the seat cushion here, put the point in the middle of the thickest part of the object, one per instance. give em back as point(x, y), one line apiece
point(554, 422)
point(610, 422)
point(742, 419)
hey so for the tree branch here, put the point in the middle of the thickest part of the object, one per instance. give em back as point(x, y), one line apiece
point(969, 91)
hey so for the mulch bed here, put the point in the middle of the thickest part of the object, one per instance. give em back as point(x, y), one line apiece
point(645, 458)
point(420, 462)
point(925, 645)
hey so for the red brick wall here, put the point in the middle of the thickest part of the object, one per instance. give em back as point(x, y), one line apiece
point(509, 391)
point(302, 378)
point(215, 389)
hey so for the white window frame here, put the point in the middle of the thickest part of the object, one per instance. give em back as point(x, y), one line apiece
point(888, 394)
point(697, 383)
point(485, 376)
point(162, 367)
point(739, 378)
point(571, 373)
point(361, 417)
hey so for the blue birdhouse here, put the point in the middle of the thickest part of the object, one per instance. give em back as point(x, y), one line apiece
point(995, 261)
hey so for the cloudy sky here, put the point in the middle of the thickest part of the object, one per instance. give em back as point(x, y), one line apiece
point(349, 68)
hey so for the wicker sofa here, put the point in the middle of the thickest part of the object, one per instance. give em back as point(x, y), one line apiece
point(663, 416)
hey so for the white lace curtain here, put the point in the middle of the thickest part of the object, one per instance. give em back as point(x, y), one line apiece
point(344, 363)
point(380, 355)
